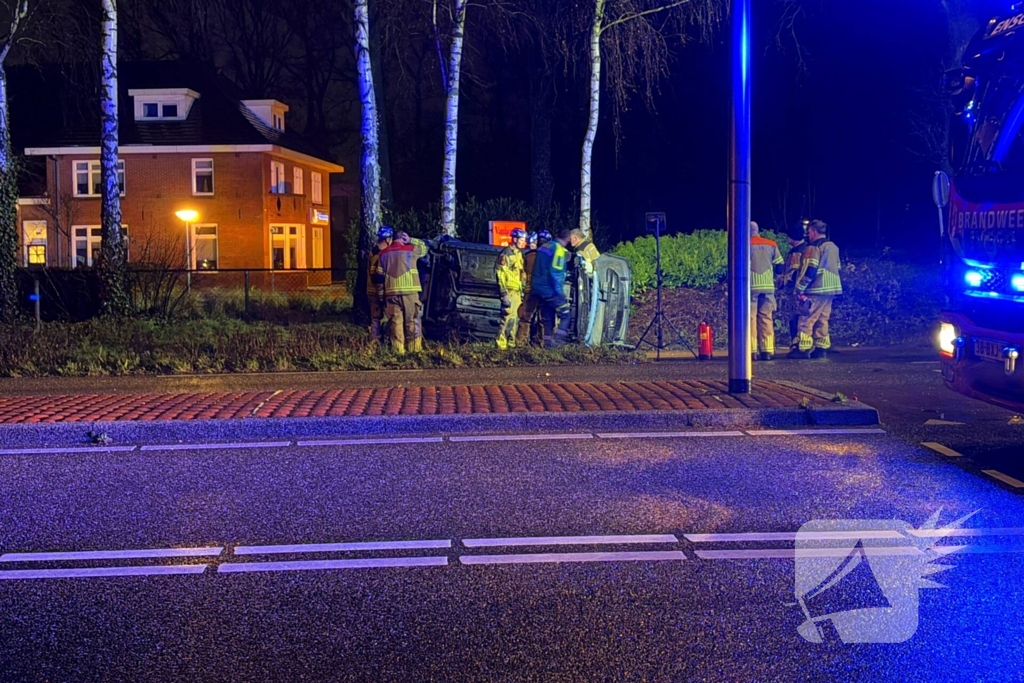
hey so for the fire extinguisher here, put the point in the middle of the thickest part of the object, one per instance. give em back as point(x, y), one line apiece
point(706, 335)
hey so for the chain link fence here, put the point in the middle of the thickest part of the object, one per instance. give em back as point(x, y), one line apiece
point(73, 295)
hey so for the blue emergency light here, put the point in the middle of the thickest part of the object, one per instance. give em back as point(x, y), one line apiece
point(973, 278)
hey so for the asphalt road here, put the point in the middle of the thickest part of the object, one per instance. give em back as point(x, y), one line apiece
point(512, 559)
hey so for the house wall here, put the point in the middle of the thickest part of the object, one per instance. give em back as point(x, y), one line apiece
point(158, 185)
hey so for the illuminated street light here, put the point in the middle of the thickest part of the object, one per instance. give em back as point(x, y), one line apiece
point(189, 216)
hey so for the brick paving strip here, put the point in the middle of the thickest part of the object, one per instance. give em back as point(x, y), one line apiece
point(568, 397)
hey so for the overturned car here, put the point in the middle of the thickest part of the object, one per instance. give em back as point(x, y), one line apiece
point(463, 302)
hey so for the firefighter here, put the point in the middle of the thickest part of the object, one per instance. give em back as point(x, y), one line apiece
point(548, 284)
point(397, 266)
point(511, 276)
point(766, 263)
point(794, 260)
point(818, 284)
point(531, 302)
point(375, 283)
point(585, 249)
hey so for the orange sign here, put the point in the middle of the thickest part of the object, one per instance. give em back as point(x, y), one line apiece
point(501, 232)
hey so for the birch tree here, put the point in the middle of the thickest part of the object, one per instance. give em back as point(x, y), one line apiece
point(369, 163)
point(633, 34)
point(114, 295)
point(451, 76)
point(8, 179)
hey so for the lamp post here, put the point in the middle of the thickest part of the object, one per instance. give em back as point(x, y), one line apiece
point(189, 216)
point(740, 346)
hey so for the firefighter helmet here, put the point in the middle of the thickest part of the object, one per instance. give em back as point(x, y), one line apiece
point(386, 232)
point(518, 234)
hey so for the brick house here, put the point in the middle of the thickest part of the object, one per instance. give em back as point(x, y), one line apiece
point(255, 194)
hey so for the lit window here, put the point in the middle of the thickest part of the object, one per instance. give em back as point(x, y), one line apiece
point(170, 111)
point(318, 247)
point(204, 247)
point(277, 182)
point(35, 242)
point(88, 178)
point(316, 186)
point(297, 180)
point(202, 176)
point(150, 110)
point(288, 247)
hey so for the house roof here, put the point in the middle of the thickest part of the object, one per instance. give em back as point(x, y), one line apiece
point(217, 118)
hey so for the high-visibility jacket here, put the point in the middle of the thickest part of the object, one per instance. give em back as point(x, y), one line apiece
point(765, 261)
point(794, 264)
point(588, 251)
point(509, 270)
point(397, 264)
point(549, 271)
point(820, 269)
point(374, 280)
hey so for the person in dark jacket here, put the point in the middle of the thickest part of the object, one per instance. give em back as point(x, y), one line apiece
point(548, 284)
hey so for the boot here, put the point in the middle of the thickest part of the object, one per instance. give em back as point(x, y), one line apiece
point(819, 353)
point(767, 356)
point(798, 354)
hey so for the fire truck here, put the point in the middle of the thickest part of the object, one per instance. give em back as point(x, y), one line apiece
point(981, 211)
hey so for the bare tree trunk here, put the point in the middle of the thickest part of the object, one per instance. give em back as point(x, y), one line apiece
point(369, 157)
point(114, 295)
point(387, 198)
point(592, 121)
point(8, 188)
point(451, 124)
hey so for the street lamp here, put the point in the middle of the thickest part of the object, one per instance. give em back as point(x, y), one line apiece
point(189, 216)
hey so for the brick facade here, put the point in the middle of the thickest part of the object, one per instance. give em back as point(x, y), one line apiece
point(160, 183)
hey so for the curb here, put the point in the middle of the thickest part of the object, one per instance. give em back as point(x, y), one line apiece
point(74, 434)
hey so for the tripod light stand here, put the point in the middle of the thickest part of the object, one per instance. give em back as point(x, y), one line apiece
point(655, 225)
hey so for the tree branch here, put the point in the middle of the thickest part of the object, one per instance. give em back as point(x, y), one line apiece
point(15, 20)
point(637, 15)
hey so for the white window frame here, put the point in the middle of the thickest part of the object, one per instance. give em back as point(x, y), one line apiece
point(205, 236)
point(297, 180)
point(195, 178)
point(150, 104)
point(277, 181)
point(290, 234)
point(316, 187)
point(30, 242)
point(317, 243)
point(93, 235)
point(92, 168)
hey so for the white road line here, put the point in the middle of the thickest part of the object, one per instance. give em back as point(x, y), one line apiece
point(556, 558)
point(100, 572)
point(790, 536)
point(1005, 478)
point(58, 451)
point(791, 553)
point(668, 435)
point(112, 554)
point(367, 563)
point(567, 540)
point(369, 442)
point(811, 432)
point(521, 437)
point(978, 549)
point(338, 547)
point(941, 533)
point(941, 450)
point(215, 446)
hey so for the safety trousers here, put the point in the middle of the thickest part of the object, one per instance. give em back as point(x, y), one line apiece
point(507, 335)
point(555, 308)
point(403, 311)
point(812, 325)
point(762, 321)
point(376, 317)
point(527, 314)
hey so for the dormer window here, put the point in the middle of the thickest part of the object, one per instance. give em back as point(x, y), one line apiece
point(270, 112)
point(163, 104)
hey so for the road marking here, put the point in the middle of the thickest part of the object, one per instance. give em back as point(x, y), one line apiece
point(99, 572)
point(810, 432)
point(567, 540)
point(370, 442)
point(1005, 478)
point(792, 553)
point(521, 437)
point(942, 423)
point(978, 549)
point(941, 450)
point(367, 563)
point(940, 533)
point(57, 451)
point(790, 536)
point(339, 547)
point(667, 435)
point(111, 554)
point(556, 558)
point(215, 446)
